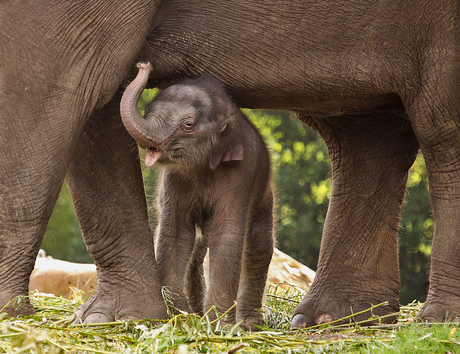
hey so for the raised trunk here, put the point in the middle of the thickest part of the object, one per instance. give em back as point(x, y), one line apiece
point(132, 119)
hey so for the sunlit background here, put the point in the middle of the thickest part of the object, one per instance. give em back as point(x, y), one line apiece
point(302, 173)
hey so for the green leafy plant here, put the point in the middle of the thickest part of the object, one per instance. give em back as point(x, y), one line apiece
point(51, 331)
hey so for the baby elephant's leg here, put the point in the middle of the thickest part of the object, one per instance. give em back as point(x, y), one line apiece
point(257, 254)
point(175, 236)
point(225, 242)
point(195, 285)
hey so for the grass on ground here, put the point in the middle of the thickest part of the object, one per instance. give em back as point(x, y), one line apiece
point(50, 331)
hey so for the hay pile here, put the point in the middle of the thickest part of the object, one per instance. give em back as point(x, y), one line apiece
point(53, 276)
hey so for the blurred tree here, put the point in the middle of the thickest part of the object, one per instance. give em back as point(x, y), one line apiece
point(63, 239)
point(415, 235)
point(302, 176)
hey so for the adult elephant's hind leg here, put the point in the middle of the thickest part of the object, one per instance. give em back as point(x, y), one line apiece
point(106, 185)
point(358, 262)
point(436, 120)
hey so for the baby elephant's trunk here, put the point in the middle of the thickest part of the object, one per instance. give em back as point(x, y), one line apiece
point(133, 121)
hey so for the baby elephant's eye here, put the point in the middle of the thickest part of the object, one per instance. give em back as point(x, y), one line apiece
point(188, 125)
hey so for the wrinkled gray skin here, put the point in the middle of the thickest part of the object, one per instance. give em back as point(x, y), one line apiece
point(60, 63)
point(215, 189)
point(376, 79)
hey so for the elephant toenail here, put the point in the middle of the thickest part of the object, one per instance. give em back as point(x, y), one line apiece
point(98, 318)
point(77, 321)
point(324, 318)
point(428, 319)
point(299, 321)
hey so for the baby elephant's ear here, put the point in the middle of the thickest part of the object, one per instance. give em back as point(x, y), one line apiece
point(230, 144)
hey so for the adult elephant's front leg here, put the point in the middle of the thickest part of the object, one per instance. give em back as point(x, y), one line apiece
point(32, 168)
point(106, 185)
point(358, 261)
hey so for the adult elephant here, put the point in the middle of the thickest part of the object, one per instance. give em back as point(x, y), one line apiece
point(377, 80)
point(60, 62)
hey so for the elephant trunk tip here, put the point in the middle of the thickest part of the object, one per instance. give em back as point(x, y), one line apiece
point(144, 66)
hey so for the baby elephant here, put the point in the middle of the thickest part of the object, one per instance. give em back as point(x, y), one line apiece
point(215, 193)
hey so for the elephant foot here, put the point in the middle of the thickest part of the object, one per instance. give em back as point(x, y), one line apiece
point(252, 323)
point(435, 311)
point(121, 302)
point(318, 310)
point(19, 306)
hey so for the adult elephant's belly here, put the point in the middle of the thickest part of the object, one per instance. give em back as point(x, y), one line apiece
point(362, 104)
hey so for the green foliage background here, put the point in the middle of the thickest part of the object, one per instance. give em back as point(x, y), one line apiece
point(302, 173)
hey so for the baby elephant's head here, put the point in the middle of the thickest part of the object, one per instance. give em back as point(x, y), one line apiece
point(187, 124)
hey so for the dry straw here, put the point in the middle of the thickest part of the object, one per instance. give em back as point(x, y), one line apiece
point(51, 331)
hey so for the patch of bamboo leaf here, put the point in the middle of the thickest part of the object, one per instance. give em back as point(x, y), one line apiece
point(51, 331)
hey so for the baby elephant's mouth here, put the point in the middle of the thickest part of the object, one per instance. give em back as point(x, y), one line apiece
point(153, 154)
